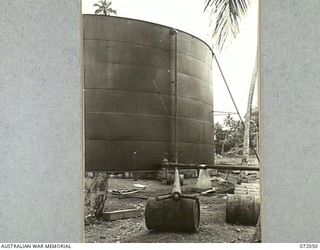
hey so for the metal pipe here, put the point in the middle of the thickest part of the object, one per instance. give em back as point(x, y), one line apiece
point(175, 79)
point(176, 190)
point(207, 166)
point(176, 97)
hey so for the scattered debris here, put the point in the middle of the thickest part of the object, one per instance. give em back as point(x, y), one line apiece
point(251, 177)
point(137, 185)
point(210, 191)
point(247, 189)
point(223, 187)
point(218, 179)
point(126, 192)
point(133, 197)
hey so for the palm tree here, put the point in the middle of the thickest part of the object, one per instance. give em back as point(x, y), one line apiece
point(247, 120)
point(228, 14)
point(104, 8)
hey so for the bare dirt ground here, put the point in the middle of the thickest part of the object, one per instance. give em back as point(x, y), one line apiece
point(213, 227)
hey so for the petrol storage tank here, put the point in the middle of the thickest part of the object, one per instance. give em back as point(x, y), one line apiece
point(131, 68)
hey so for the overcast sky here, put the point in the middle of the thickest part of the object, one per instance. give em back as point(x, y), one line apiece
point(236, 59)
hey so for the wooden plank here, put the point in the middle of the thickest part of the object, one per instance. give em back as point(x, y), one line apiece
point(122, 214)
point(249, 185)
point(254, 192)
point(240, 192)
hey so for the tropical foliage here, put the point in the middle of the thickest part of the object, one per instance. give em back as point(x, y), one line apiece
point(226, 15)
point(229, 135)
point(104, 8)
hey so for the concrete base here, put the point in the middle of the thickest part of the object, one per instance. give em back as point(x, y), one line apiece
point(204, 181)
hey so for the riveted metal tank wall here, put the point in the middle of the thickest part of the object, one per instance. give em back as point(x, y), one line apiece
point(129, 95)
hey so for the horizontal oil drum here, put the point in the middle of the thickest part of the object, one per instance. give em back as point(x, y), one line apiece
point(242, 209)
point(130, 98)
point(173, 215)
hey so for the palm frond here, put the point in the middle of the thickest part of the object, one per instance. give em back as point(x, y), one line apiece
point(113, 11)
point(228, 14)
point(98, 11)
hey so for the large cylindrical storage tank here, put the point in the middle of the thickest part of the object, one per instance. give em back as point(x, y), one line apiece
point(130, 95)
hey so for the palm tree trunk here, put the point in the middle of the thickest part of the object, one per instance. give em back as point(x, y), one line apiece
point(222, 148)
point(246, 137)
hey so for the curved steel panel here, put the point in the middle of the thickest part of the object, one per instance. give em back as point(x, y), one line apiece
point(134, 102)
point(129, 97)
point(142, 33)
point(101, 52)
point(110, 126)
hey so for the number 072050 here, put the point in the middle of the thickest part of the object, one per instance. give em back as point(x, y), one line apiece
point(308, 245)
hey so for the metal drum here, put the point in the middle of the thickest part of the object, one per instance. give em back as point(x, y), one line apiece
point(243, 209)
point(173, 215)
point(129, 95)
